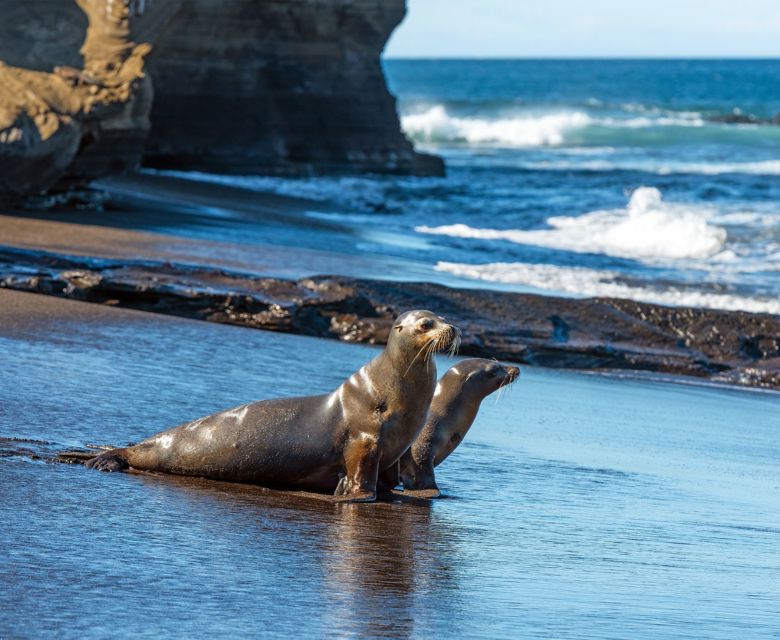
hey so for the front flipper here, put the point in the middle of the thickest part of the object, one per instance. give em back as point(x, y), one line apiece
point(418, 479)
point(361, 458)
point(389, 479)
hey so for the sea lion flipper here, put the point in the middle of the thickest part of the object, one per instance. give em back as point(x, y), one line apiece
point(419, 479)
point(389, 479)
point(108, 461)
point(361, 458)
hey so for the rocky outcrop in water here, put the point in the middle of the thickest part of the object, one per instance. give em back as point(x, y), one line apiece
point(593, 334)
point(239, 86)
point(743, 118)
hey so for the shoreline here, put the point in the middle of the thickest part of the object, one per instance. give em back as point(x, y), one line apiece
point(72, 255)
point(591, 334)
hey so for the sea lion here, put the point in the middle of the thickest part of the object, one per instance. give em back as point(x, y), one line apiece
point(453, 409)
point(337, 442)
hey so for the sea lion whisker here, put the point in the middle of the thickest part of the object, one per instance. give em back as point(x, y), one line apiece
point(433, 347)
point(417, 355)
point(429, 350)
point(454, 346)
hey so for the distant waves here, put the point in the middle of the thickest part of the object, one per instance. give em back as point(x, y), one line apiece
point(519, 127)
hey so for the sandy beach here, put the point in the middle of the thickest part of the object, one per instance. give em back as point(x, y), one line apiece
point(149, 217)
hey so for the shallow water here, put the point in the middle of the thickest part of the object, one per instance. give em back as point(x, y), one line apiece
point(579, 506)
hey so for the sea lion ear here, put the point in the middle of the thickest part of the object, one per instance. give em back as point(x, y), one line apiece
point(399, 327)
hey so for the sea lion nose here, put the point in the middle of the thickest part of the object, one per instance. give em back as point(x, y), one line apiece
point(513, 373)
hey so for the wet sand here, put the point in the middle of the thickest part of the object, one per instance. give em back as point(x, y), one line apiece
point(170, 219)
point(579, 506)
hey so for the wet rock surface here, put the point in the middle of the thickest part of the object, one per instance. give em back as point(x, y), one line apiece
point(743, 118)
point(590, 334)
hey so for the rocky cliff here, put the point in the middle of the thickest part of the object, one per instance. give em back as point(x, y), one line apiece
point(61, 124)
point(278, 86)
point(239, 86)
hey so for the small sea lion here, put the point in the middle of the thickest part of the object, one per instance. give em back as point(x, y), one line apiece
point(337, 442)
point(453, 409)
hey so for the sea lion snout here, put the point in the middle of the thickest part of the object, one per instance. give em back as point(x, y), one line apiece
point(447, 337)
point(512, 374)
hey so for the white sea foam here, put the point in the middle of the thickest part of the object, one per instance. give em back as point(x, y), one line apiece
point(436, 124)
point(524, 130)
point(647, 229)
point(584, 282)
point(764, 167)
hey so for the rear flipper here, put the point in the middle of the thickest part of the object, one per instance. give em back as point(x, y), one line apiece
point(108, 461)
point(419, 479)
point(74, 457)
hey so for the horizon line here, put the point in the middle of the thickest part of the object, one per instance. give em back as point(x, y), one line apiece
point(775, 58)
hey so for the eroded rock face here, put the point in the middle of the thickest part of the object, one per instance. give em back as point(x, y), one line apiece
point(241, 86)
point(75, 123)
point(278, 86)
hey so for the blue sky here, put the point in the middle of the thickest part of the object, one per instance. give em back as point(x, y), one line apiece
point(596, 28)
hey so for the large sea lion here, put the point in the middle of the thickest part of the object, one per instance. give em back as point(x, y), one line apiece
point(338, 442)
point(453, 409)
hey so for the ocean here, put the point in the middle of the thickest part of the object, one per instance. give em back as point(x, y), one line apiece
point(575, 177)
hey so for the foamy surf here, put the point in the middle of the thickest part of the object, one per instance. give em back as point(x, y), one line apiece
point(647, 229)
point(662, 168)
point(584, 282)
point(532, 129)
point(436, 125)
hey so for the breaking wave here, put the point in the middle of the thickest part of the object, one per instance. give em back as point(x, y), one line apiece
point(647, 229)
point(763, 167)
point(436, 124)
point(586, 282)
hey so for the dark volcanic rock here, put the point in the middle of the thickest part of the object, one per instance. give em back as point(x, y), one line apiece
point(291, 86)
point(596, 333)
point(743, 118)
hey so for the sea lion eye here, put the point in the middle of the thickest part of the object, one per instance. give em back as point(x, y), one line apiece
point(426, 324)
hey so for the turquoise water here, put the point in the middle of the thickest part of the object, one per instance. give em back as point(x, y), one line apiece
point(580, 177)
point(578, 506)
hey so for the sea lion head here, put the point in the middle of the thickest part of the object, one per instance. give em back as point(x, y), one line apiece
point(421, 333)
point(482, 377)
